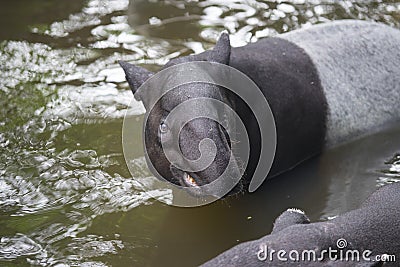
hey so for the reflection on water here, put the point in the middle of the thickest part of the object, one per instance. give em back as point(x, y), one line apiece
point(66, 196)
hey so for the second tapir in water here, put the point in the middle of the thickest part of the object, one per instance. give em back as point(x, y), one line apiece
point(326, 85)
point(367, 236)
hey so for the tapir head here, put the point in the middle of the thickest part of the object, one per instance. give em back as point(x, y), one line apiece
point(194, 131)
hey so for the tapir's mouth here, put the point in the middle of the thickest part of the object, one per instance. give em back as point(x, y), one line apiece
point(188, 180)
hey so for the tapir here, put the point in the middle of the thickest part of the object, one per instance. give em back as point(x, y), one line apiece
point(326, 84)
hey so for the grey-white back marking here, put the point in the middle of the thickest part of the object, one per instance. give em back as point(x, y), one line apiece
point(359, 67)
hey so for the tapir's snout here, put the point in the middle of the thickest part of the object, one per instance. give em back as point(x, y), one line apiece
point(190, 138)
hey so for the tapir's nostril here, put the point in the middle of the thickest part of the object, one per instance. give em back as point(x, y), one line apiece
point(225, 135)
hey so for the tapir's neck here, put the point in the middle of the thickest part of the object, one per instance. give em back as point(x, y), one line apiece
point(287, 78)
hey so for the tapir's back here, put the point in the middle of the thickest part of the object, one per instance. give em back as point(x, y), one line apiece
point(359, 68)
point(326, 84)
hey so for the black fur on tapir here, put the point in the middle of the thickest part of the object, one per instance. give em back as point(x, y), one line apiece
point(375, 226)
point(325, 85)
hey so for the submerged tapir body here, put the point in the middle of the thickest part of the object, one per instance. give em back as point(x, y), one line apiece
point(325, 85)
point(356, 238)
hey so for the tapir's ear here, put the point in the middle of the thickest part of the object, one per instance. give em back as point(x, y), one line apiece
point(135, 75)
point(222, 50)
point(288, 218)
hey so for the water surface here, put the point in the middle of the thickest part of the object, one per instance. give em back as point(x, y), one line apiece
point(66, 195)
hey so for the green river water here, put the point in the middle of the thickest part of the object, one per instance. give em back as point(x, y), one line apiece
point(66, 195)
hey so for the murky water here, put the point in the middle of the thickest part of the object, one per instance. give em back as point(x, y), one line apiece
point(66, 195)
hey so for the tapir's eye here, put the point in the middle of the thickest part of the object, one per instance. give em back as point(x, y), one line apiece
point(163, 127)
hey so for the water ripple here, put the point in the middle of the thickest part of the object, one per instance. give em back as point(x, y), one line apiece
point(392, 173)
point(17, 246)
point(63, 98)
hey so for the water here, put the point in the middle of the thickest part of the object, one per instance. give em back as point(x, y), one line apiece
point(66, 195)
